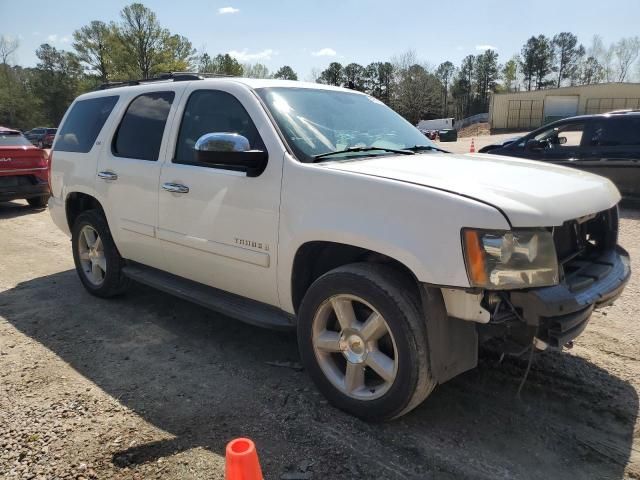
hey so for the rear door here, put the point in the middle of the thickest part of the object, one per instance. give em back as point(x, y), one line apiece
point(129, 169)
point(612, 149)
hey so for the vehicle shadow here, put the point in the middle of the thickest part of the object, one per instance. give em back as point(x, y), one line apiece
point(630, 210)
point(14, 209)
point(206, 379)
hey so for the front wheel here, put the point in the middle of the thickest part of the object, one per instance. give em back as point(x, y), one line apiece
point(363, 341)
point(97, 259)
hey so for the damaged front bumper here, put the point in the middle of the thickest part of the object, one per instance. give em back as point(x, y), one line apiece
point(560, 313)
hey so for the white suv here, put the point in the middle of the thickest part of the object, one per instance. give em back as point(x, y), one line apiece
point(295, 205)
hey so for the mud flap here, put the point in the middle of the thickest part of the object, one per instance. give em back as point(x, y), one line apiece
point(453, 343)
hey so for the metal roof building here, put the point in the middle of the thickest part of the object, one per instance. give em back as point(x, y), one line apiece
point(529, 110)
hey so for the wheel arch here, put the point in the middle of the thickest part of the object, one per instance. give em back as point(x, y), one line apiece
point(315, 258)
point(78, 202)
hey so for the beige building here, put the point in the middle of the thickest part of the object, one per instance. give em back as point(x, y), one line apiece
point(529, 110)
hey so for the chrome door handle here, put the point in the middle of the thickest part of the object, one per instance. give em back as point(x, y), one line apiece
point(175, 187)
point(108, 175)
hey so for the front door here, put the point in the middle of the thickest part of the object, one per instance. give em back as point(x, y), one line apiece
point(218, 226)
point(128, 173)
point(561, 144)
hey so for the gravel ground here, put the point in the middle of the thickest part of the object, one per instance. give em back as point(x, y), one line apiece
point(149, 386)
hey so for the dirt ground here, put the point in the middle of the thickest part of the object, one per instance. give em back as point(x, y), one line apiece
point(463, 144)
point(149, 386)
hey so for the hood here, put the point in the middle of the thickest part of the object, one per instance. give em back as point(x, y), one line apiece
point(529, 193)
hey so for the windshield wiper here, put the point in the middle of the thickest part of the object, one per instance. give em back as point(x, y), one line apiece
point(423, 148)
point(361, 149)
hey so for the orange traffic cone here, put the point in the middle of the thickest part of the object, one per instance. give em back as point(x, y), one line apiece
point(472, 148)
point(242, 461)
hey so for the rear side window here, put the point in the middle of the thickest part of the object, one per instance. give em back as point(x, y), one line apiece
point(83, 124)
point(616, 132)
point(13, 139)
point(140, 132)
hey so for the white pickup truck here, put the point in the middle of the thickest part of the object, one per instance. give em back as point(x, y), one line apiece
point(295, 205)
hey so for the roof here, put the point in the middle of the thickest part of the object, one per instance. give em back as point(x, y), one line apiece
point(8, 130)
point(253, 83)
point(635, 113)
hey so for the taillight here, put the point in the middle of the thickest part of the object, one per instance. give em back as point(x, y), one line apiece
point(48, 158)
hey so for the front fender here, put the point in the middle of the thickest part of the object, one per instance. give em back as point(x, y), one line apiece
point(415, 225)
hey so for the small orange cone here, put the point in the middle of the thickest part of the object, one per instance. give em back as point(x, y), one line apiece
point(242, 461)
point(472, 148)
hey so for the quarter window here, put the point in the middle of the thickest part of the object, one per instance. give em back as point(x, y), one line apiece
point(140, 132)
point(83, 124)
point(213, 111)
point(616, 132)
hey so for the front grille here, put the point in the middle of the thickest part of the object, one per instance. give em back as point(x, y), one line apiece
point(584, 237)
point(582, 242)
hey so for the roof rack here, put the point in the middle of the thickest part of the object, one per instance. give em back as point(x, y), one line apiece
point(163, 77)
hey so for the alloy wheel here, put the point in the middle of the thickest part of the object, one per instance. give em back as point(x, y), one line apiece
point(91, 254)
point(354, 347)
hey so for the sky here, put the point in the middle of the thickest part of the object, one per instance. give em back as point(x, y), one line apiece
point(309, 34)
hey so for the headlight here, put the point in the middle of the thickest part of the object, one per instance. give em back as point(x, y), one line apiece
point(510, 259)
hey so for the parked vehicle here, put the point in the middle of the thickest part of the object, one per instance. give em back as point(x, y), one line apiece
point(499, 144)
point(35, 134)
point(606, 144)
point(437, 124)
point(430, 134)
point(24, 170)
point(47, 139)
point(306, 206)
point(448, 135)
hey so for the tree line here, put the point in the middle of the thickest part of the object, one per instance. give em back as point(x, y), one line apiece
point(419, 91)
point(137, 46)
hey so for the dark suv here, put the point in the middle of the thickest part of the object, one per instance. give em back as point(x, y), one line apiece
point(606, 144)
point(41, 137)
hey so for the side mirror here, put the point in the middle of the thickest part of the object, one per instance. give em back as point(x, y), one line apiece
point(231, 151)
point(533, 145)
point(562, 140)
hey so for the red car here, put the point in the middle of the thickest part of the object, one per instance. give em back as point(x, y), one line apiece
point(47, 140)
point(24, 169)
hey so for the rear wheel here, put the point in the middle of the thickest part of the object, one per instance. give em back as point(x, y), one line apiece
point(38, 202)
point(97, 259)
point(364, 341)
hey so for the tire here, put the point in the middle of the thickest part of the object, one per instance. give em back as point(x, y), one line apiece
point(40, 144)
point(38, 202)
point(106, 279)
point(384, 292)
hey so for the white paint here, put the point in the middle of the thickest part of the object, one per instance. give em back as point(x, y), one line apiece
point(410, 208)
point(437, 124)
point(465, 306)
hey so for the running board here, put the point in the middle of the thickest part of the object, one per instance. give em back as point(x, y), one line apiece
point(229, 304)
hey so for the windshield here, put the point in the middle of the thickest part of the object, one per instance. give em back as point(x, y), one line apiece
point(13, 139)
point(317, 121)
